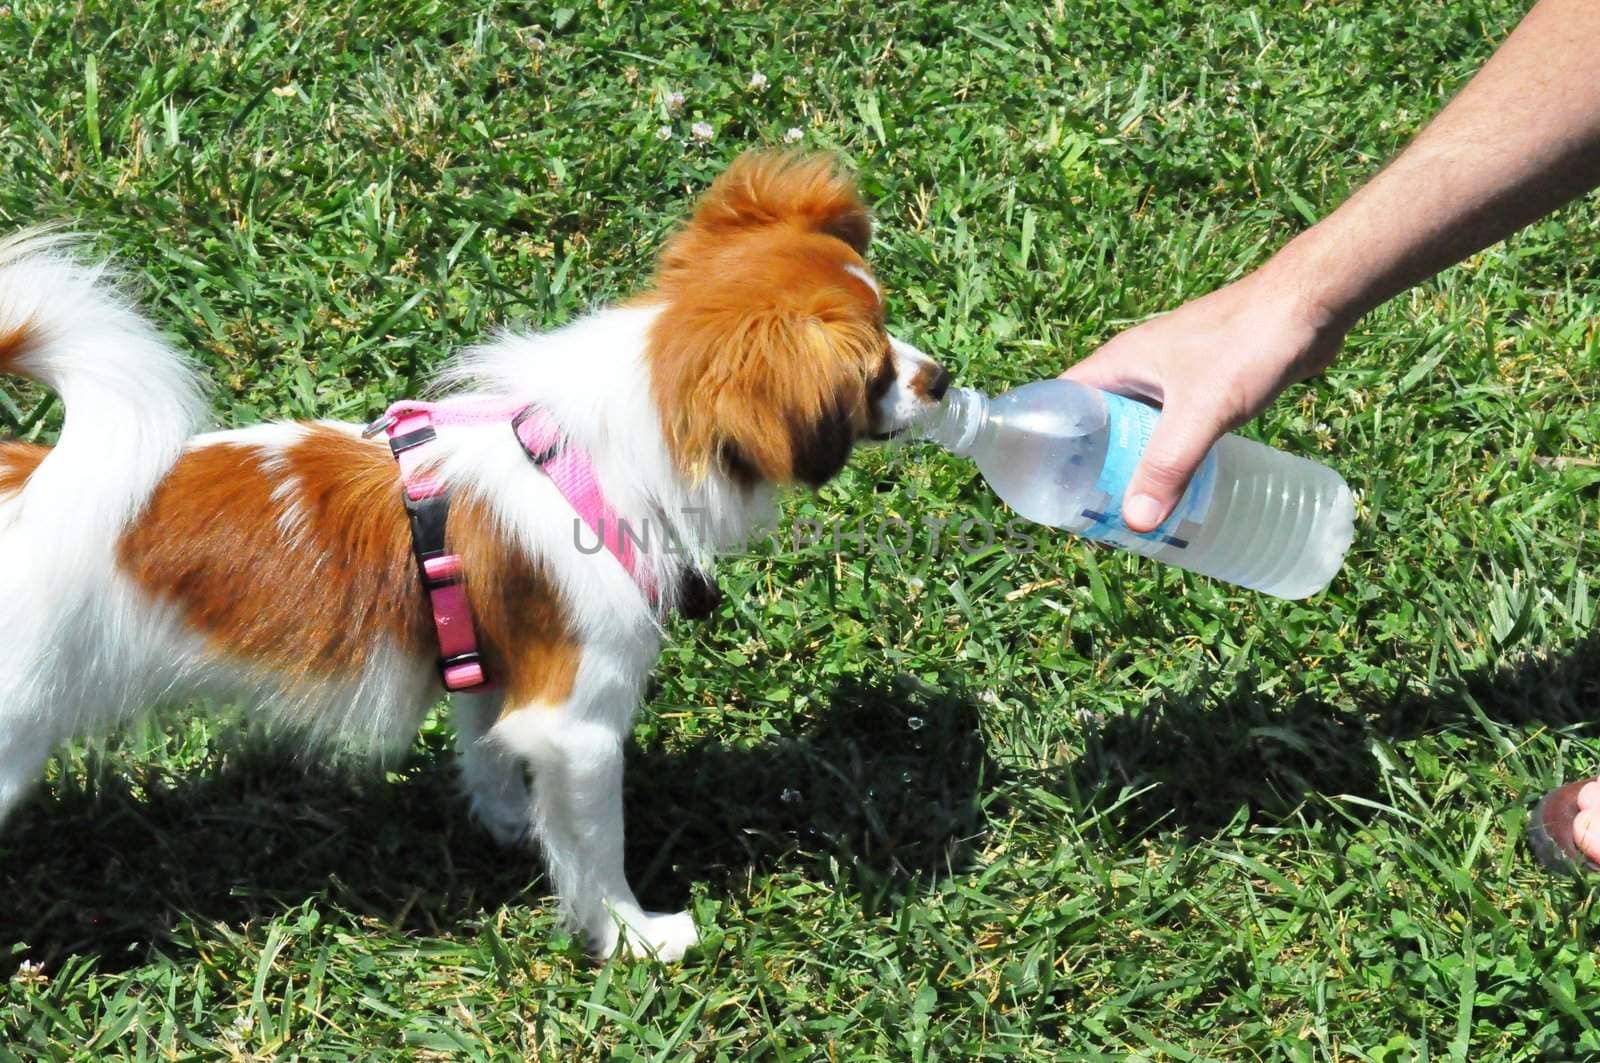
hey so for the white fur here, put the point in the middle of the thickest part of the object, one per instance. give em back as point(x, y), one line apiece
point(103, 649)
point(866, 278)
point(130, 404)
point(902, 405)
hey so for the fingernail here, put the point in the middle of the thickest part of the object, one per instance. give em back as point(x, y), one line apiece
point(1141, 511)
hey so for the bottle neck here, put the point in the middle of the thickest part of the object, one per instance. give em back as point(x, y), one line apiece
point(957, 421)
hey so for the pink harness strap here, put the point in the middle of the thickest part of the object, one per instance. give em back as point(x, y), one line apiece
point(572, 472)
point(409, 427)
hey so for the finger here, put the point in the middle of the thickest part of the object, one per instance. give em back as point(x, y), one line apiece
point(1178, 444)
point(1123, 365)
point(1095, 371)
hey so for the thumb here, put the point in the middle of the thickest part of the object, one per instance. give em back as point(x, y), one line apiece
point(1178, 444)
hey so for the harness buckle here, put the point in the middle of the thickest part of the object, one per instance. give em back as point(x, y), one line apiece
point(410, 440)
point(441, 571)
point(462, 672)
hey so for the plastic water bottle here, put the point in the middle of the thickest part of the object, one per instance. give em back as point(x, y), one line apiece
point(1062, 454)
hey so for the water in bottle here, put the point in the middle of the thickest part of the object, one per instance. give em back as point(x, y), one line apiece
point(1062, 454)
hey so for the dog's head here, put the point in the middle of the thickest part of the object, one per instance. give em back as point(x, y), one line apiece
point(769, 359)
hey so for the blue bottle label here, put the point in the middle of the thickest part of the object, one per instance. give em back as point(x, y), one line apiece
point(1128, 425)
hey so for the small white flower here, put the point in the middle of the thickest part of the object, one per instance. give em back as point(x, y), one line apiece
point(664, 133)
point(674, 102)
point(758, 81)
point(28, 972)
point(240, 1028)
point(916, 723)
point(793, 136)
point(702, 131)
point(791, 797)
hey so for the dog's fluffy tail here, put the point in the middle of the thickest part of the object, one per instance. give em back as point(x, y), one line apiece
point(131, 401)
point(75, 646)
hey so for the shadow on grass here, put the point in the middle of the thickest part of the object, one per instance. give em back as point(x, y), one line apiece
point(891, 781)
point(1193, 764)
point(887, 781)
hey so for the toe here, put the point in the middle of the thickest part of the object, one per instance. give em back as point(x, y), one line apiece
point(1586, 835)
point(667, 937)
point(1589, 796)
point(651, 935)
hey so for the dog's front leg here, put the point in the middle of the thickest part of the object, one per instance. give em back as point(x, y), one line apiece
point(25, 745)
point(495, 779)
point(577, 819)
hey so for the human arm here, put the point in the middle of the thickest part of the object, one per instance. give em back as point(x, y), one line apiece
point(1520, 140)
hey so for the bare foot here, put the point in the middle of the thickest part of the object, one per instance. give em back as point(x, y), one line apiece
point(1586, 824)
point(1564, 828)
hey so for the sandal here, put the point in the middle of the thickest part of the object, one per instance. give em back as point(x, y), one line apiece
point(1550, 830)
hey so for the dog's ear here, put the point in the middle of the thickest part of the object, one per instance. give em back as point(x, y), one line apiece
point(766, 337)
point(820, 446)
point(774, 393)
point(762, 190)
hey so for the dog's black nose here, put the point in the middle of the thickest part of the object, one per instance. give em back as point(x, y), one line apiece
point(940, 384)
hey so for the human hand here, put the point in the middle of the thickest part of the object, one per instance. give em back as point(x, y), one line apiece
point(1212, 364)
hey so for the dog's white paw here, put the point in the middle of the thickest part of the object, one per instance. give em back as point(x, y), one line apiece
point(660, 936)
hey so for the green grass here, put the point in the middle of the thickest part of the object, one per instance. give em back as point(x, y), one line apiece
point(936, 807)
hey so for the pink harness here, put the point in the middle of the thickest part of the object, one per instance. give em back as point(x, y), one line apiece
point(409, 426)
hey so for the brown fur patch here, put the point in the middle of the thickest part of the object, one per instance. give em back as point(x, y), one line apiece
point(931, 382)
point(344, 586)
point(765, 345)
point(803, 192)
point(13, 342)
point(18, 462)
point(528, 642)
point(319, 605)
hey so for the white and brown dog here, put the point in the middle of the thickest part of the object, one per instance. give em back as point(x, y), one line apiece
point(277, 565)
